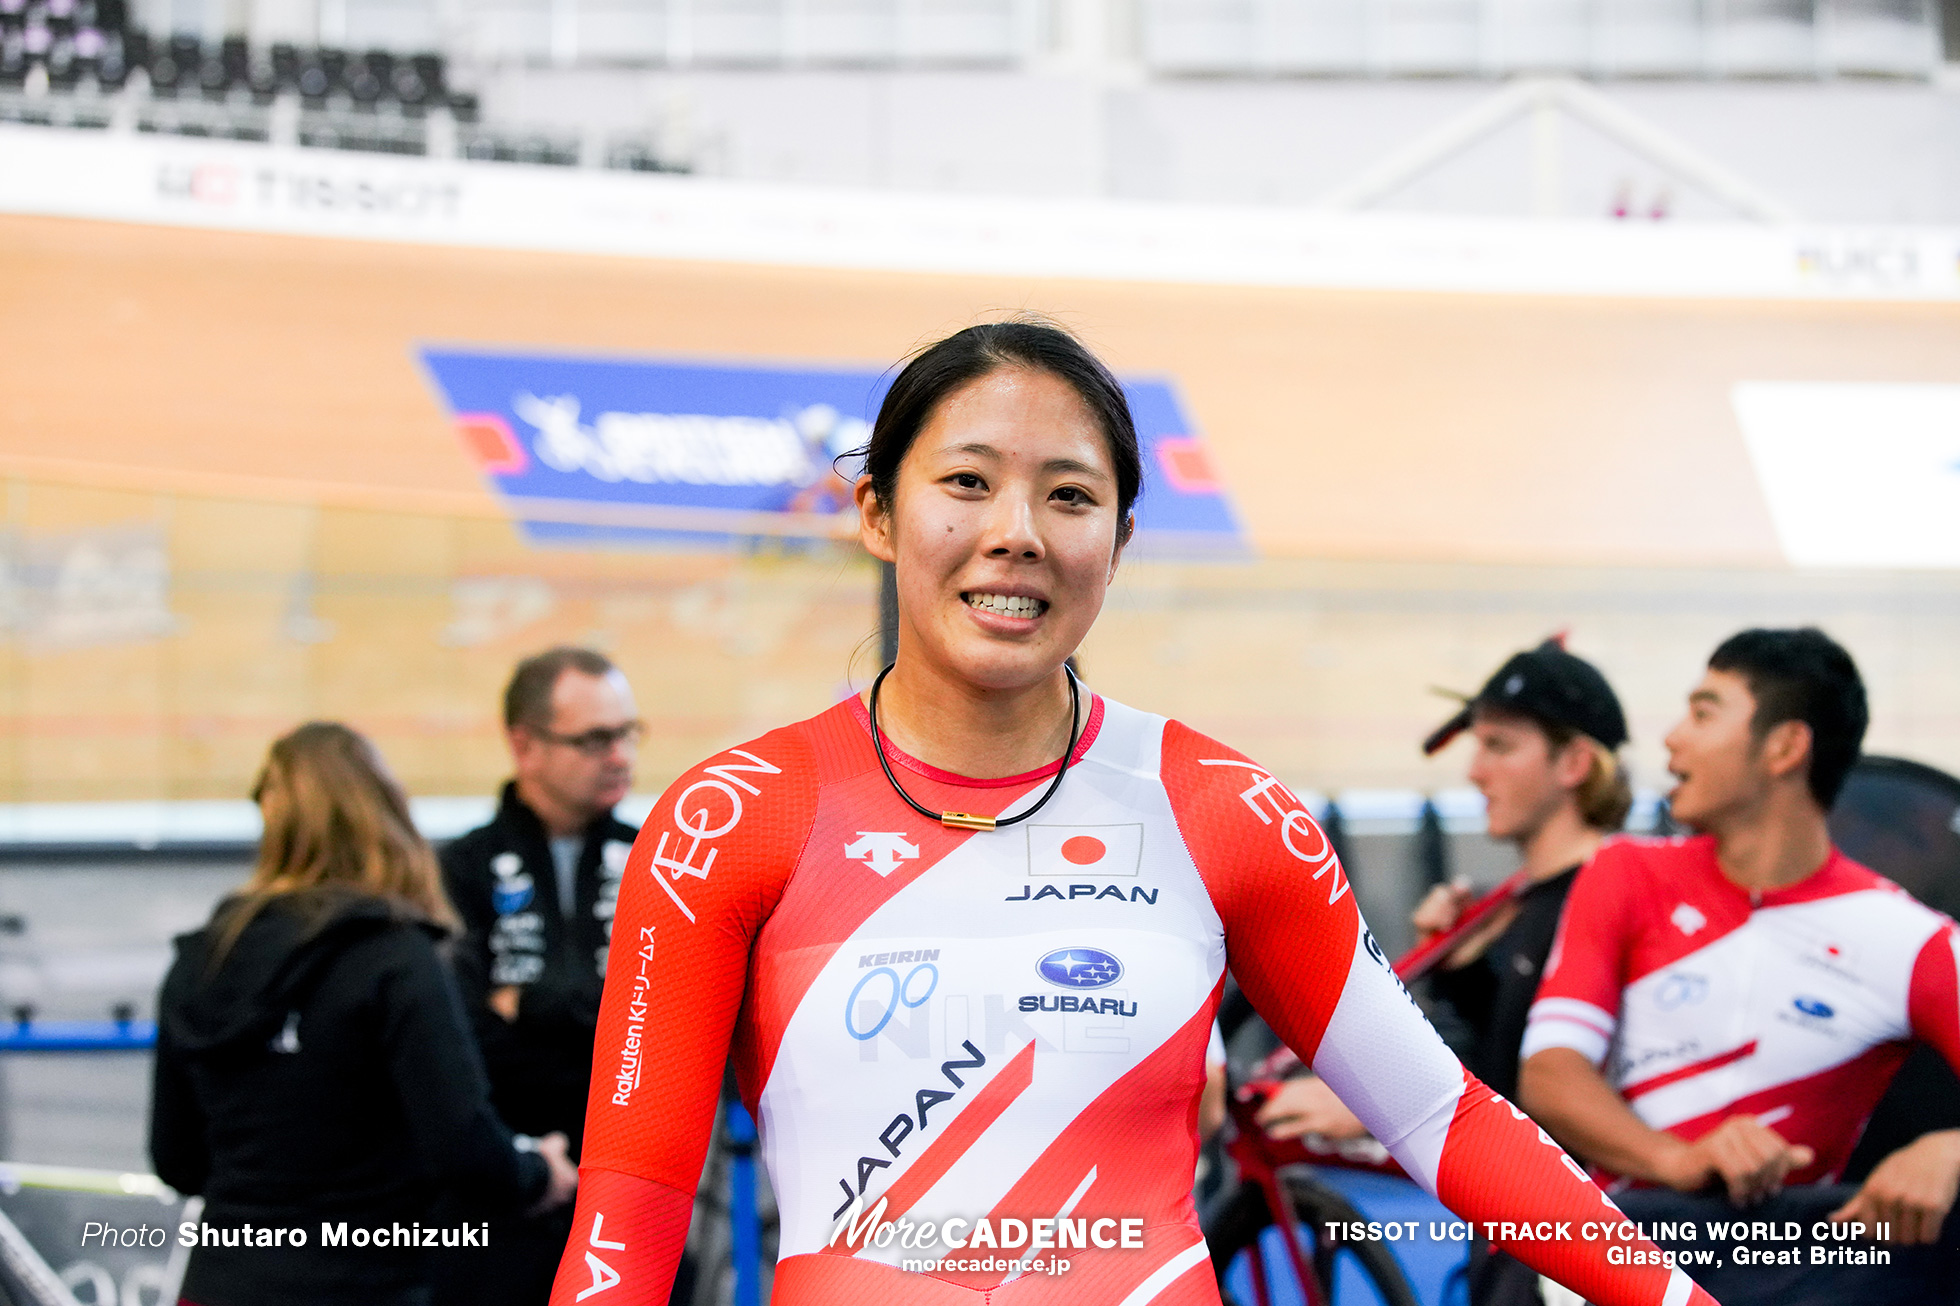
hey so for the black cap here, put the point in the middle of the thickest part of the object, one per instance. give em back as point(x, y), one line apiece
point(1548, 683)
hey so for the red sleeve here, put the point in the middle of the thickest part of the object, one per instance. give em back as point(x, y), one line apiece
point(708, 868)
point(1934, 1006)
point(1578, 1003)
point(1296, 942)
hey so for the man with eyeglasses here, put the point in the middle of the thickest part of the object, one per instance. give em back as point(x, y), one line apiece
point(536, 889)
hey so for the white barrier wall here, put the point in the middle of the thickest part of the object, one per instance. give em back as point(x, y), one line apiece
point(191, 182)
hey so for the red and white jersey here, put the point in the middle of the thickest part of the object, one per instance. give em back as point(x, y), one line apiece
point(1703, 1000)
point(1008, 1025)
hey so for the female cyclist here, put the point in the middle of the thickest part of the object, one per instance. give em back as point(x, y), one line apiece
point(964, 937)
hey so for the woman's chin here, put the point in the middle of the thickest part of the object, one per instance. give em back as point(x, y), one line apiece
point(1004, 666)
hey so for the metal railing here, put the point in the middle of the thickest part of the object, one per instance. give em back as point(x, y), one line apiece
point(39, 1266)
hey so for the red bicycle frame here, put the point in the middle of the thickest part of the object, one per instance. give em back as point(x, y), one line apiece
point(1260, 1158)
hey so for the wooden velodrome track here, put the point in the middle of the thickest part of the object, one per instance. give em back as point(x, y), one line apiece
point(1431, 480)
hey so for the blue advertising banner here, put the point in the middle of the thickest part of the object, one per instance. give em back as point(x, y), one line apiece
point(637, 451)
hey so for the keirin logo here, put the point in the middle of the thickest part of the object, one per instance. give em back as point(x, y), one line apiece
point(604, 1276)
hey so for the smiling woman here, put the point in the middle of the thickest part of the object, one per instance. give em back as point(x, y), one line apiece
point(1014, 453)
point(1039, 1060)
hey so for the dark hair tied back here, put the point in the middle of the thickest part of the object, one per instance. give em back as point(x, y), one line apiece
point(940, 369)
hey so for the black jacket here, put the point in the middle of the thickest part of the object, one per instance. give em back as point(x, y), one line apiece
point(323, 1073)
point(1490, 997)
point(504, 883)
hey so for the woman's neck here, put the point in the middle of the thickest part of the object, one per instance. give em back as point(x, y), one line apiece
point(947, 721)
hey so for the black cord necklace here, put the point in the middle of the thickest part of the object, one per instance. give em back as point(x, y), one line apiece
point(970, 820)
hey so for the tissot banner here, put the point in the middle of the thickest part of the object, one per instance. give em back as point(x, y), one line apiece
point(644, 451)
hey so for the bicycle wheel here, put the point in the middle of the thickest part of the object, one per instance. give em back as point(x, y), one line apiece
point(1237, 1226)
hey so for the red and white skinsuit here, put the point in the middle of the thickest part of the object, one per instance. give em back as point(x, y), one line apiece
point(1700, 1000)
point(1006, 1024)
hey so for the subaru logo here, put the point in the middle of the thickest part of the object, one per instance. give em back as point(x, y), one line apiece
point(1813, 1007)
point(1080, 968)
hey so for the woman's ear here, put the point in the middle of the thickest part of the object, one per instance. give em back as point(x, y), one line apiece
point(874, 522)
point(1124, 534)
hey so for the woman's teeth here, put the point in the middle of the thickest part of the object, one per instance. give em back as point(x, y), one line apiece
point(1008, 605)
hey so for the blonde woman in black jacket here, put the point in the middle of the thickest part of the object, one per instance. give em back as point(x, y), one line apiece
point(316, 1081)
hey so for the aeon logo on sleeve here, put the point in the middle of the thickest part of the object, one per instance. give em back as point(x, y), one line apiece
point(705, 811)
point(1080, 968)
point(1267, 798)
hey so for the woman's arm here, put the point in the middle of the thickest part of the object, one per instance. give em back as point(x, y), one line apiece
point(177, 1143)
point(438, 1075)
point(1298, 946)
point(706, 871)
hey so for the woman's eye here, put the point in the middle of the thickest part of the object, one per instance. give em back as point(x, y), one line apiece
point(1071, 494)
point(966, 480)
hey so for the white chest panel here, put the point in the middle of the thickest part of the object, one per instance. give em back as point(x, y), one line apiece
point(1086, 932)
point(1811, 986)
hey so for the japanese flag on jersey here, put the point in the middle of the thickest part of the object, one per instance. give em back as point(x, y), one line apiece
point(1084, 849)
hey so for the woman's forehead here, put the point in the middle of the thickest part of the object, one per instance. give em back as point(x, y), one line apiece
point(1017, 415)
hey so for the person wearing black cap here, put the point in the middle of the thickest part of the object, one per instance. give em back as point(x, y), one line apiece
point(1547, 729)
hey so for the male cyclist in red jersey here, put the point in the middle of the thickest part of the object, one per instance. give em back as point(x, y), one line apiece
point(1724, 1011)
point(964, 940)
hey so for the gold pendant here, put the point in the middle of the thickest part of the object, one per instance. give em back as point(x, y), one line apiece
point(965, 821)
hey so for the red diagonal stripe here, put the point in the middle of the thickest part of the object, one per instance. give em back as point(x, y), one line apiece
point(1689, 1072)
point(949, 1147)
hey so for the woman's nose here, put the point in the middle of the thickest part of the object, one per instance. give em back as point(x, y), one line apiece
point(1011, 530)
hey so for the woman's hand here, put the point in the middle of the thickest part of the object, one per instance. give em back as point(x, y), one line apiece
point(556, 1151)
point(1307, 1106)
